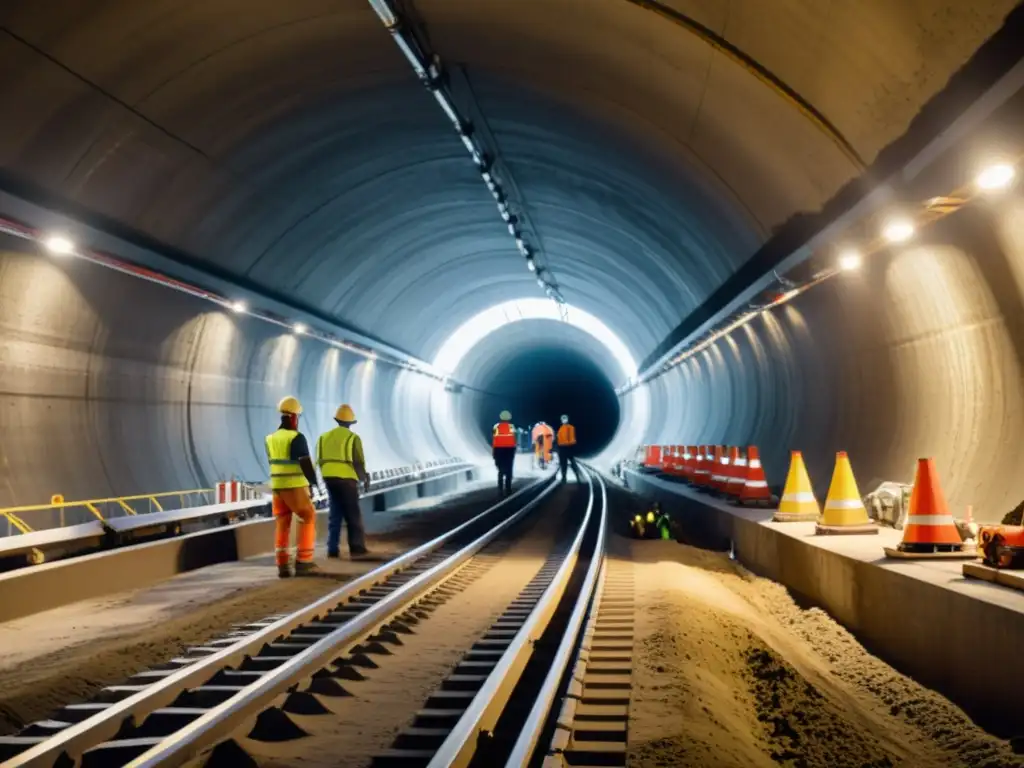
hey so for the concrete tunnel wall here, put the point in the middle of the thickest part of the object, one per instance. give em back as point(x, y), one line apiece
point(114, 386)
point(918, 354)
point(290, 147)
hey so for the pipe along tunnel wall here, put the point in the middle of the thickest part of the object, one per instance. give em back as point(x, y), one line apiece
point(918, 354)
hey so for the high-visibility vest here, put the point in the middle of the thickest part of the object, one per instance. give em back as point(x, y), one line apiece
point(567, 435)
point(335, 453)
point(504, 435)
point(285, 472)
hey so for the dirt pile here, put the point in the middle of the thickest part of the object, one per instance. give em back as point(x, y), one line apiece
point(730, 672)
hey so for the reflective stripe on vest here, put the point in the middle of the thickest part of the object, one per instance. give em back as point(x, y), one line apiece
point(285, 472)
point(567, 435)
point(504, 435)
point(335, 454)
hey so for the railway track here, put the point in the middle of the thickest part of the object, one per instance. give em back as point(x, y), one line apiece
point(494, 709)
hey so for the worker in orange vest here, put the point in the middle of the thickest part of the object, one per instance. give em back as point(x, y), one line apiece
point(503, 449)
point(567, 449)
point(291, 476)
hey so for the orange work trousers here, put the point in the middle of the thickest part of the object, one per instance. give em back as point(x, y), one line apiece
point(288, 502)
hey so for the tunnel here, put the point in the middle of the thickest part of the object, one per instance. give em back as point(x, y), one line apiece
point(272, 181)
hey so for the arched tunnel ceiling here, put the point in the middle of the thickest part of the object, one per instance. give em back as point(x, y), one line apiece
point(290, 142)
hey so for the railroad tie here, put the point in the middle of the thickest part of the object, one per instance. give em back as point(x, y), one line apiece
point(593, 724)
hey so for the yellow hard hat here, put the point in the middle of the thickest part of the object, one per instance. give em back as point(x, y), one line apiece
point(345, 413)
point(290, 405)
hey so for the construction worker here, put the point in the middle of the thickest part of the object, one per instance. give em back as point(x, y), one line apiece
point(291, 476)
point(503, 449)
point(567, 449)
point(339, 454)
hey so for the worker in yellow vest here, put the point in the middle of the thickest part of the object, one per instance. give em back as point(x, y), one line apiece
point(339, 454)
point(567, 449)
point(291, 475)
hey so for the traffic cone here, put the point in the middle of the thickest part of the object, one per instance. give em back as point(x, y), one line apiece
point(737, 473)
point(703, 476)
point(797, 504)
point(929, 532)
point(719, 466)
point(844, 511)
point(755, 484)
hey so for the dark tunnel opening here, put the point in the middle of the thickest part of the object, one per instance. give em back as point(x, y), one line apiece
point(544, 382)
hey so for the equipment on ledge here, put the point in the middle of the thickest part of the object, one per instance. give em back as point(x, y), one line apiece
point(1002, 546)
point(655, 524)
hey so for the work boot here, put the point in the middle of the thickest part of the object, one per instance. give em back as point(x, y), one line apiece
point(306, 569)
point(334, 555)
point(284, 571)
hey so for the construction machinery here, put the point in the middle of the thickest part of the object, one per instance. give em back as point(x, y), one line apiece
point(1002, 546)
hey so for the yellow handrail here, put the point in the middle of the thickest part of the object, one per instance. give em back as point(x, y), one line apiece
point(112, 500)
point(13, 514)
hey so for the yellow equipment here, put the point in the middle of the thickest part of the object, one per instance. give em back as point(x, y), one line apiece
point(345, 413)
point(290, 405)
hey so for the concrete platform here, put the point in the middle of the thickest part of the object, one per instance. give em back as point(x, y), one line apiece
point(959, 636)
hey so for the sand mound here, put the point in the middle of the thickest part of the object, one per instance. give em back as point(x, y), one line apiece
point(730, 672)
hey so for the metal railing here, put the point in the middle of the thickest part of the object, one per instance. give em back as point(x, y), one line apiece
point(60, 513)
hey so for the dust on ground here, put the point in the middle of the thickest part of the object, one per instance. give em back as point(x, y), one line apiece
point(729, 671)
point(128, 634)
point(68, 654)
point(380, 706)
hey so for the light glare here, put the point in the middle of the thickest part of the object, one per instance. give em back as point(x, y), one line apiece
point(996, 177)
point(299, 328)
point(898, 231)
point(478, 327)
point(238, 306)
point(850, 260)
point(59, 245)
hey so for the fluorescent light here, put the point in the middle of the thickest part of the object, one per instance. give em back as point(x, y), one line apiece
point(59, 245)
point(996, 177)
point(850, 260)
point(520, 244)
point(299, 328)
point(512, 229)
point(531, 264)
point(238, 306)
point(898, 230)
point(541, 283)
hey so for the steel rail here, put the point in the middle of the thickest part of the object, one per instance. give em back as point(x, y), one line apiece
point(68, 745)
point(482, 714)
point(533, 728)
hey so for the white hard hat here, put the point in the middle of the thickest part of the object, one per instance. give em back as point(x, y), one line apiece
point(505, 416)
point(565, 419)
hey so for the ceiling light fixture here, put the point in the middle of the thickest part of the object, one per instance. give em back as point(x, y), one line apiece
point(850, 260)
point(59, 245)
point(238, 306)
point(996, 178)
point(531, 264)
point(898, 230)
point(299, 328)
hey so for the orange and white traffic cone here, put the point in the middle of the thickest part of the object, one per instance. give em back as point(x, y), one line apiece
point(737, 473)
point(719, 467)
point(797, 504)
point(755, 484)
point(929, 532)
point(844, 511)
point(703, 473)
